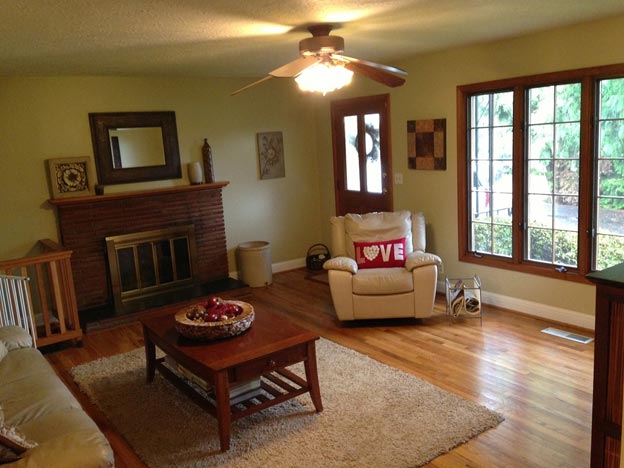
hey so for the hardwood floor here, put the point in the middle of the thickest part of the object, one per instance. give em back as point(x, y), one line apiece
point(541, 384)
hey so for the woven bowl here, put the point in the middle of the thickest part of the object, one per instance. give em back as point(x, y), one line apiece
point(214, 330)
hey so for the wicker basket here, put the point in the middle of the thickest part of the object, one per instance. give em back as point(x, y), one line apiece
point(215, 330)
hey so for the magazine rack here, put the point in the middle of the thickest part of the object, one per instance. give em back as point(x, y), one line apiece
point(463, 297)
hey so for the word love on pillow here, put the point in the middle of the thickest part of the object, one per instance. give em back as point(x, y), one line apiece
point(380, 254)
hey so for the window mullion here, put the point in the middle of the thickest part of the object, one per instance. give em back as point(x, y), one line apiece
point(587, 190)
point(519, 200)
point(490, 168)
point(361, 149)
point(553, 195)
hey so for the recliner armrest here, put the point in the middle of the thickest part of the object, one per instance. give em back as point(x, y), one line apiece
point(341, 263)
point(419, 259)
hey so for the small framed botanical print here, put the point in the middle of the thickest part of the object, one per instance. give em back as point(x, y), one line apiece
point(71, 177)
point(271, 155)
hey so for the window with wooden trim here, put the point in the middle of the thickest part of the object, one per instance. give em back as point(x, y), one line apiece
point(541, 172)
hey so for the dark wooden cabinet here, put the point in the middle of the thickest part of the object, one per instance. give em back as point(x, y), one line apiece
point(608, 364)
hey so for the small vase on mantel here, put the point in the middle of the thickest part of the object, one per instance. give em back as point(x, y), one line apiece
point(195, 173)
point(207, 156)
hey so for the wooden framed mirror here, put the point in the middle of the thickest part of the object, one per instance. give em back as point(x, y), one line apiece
point(135, 146)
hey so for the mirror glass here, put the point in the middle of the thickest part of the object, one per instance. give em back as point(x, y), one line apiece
point(135, 146)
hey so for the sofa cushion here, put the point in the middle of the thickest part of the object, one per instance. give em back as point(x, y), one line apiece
point(32, 387)
point(379, 281)
point(380, 254)
point(67, 438)
point(382, 226)
point(35, 400)
point(15, 337)
point(3, 350)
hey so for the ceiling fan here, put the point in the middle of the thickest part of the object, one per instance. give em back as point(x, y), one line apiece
point(327, 50)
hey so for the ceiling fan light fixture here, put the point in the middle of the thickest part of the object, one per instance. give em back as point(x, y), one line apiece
point(324, 77)
point(322, 68)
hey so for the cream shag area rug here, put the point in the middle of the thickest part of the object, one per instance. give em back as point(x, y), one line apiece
point(374, 415)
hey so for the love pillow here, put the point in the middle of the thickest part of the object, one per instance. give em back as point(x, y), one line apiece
point(380, 254)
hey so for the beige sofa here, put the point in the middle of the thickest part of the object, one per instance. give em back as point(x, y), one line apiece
point(35, 401)
point(387, 292)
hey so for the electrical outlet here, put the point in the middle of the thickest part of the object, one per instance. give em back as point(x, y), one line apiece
point(398, 178)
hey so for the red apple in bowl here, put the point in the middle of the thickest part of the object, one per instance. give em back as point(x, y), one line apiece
point(213, 302)
point(213, 317)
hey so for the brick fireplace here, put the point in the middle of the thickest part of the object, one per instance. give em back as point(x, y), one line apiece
point(86, 222)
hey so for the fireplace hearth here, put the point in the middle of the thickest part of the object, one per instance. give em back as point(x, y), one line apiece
point(86, 222)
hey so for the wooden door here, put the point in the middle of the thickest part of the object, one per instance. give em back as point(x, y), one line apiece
point(362, 157)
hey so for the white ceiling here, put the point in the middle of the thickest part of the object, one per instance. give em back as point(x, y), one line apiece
point(252, 37)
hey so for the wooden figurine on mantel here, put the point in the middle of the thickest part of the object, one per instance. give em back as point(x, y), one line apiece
point(207, 156)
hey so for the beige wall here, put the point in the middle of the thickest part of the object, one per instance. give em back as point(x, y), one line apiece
point(43, 118)
point(430, 92)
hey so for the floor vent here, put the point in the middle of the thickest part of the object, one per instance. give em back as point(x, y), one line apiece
point(567, 335)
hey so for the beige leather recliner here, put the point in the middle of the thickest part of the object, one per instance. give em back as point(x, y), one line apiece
point(387, 292)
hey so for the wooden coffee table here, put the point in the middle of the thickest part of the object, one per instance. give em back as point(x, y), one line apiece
point(271, 344)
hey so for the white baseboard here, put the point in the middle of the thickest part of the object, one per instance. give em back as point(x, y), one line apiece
point(289, 265)
point(535, 309)
point(278, 267)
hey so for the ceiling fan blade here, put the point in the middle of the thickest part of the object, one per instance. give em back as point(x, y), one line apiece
point(294, 68)
point(376, 74)
point(387, 68)
point(251, 84)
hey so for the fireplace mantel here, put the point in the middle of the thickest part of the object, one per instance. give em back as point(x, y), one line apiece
point(135, 194)
point(85, 223)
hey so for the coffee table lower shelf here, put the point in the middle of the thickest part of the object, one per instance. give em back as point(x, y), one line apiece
point(286, 385)
point(244, 374)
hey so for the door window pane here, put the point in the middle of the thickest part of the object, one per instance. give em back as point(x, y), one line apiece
point(351, 150)
point(373, 159)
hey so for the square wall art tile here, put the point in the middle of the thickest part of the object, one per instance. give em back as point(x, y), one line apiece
point(426, 144)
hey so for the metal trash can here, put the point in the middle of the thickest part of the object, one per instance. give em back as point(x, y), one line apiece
point(254, 263)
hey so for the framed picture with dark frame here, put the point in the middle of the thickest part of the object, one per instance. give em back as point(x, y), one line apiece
point(71, 177)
